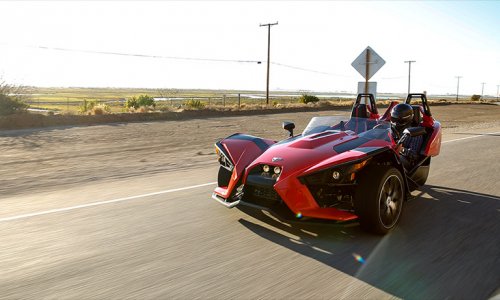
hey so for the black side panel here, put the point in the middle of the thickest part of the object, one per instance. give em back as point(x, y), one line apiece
point(420, 176)
point(371, 151)
point(352, 144)
point(258, 180)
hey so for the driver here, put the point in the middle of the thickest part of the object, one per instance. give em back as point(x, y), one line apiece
point(401, 118)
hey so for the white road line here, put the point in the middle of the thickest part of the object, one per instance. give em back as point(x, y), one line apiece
point(463, 201)
point(470, 137)
point(51, 211)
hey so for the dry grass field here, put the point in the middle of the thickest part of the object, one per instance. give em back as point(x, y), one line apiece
point(70, 100)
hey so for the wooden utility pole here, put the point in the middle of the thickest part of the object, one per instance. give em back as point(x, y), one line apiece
point(367, 69)
point(458, 84)
point(409, 72)
point(268, 56)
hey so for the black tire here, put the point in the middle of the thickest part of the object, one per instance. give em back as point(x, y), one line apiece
point(379, 199)
point(223, 177)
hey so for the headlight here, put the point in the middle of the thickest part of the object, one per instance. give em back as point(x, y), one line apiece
point(265, 168)
point(336, 175)
point(277, 170)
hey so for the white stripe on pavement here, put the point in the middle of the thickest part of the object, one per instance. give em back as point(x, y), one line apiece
point(470, 137)
point(18, 217)
point(51, 211)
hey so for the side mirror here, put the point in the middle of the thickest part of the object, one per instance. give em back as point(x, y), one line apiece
point(414, 131)
point(289, 126)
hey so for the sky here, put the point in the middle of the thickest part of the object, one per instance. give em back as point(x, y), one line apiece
point(318, 39)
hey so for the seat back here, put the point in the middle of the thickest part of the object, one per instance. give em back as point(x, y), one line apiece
point(417, 116)
point(359, 111)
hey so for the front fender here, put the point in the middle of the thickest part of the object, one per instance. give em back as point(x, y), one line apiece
point(241, 150)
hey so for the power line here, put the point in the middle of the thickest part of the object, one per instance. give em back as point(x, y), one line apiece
point(309, 70)
point(299, 68)
point(143, 55)
point(184, 58)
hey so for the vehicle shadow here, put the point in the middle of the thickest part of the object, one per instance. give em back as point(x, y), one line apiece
point(447, 245)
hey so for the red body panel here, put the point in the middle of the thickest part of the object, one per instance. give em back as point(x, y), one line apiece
point(242, 153)
point(434, 144)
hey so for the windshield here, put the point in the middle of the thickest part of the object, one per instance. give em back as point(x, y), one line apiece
point(368, 128)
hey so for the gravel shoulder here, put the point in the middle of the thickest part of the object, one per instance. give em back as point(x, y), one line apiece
point(46, 159)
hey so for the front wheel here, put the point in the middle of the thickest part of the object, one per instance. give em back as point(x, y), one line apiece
point(379, 199)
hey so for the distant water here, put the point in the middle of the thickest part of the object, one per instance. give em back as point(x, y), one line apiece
point(262, 96)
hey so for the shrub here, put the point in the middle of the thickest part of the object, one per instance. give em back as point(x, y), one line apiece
point(195, 104)
point(100, 109)
point(87, 106)
point(475, 97)
point(11, 101)
point(132, 103)
point(10, 105)
point(305, 98)
point(142, 100)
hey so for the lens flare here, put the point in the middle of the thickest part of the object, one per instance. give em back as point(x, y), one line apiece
point(359, 258)
point(299, 215)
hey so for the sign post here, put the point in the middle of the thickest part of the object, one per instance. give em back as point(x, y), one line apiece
point(367, 64)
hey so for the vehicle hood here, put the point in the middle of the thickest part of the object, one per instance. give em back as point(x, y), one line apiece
point(314, 152)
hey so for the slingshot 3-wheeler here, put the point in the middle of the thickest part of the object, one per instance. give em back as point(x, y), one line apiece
point(361, 167)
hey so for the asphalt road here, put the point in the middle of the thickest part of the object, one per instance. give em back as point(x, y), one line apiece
point(162, 236)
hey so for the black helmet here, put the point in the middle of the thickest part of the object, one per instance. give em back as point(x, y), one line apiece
point(401, 116)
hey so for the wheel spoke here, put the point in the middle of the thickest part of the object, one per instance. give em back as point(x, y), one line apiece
point(394, 186)
point(390, 201)
point(393, 206)
point(387, 189)
point(396, 195)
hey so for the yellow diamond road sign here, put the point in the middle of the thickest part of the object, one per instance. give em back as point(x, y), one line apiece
point(368, 63)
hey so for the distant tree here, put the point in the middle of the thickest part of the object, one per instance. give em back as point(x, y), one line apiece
point(11, 99)
point(475, 97)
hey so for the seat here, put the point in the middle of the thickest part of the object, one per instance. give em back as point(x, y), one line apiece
point(359, 111)
point(416, 144)
point(359, 117)
point(417, 116)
